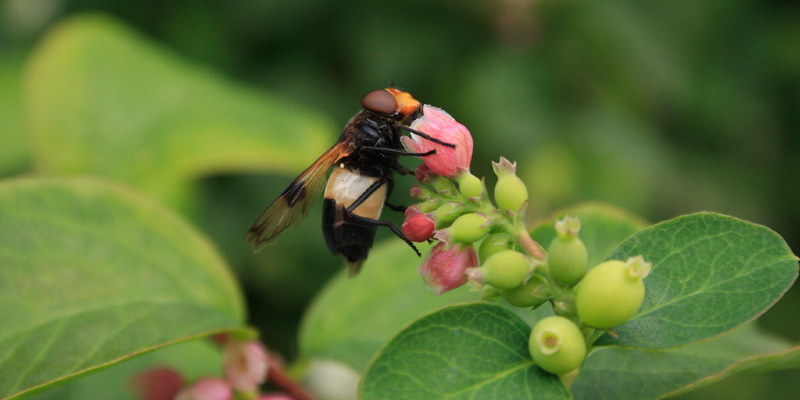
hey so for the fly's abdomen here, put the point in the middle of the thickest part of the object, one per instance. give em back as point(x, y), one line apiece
point(344, 234)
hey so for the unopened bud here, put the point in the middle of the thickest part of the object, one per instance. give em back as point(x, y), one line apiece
point(505, 270)
point(510, 192)
point(447, 161)
point(531, 294)
point(418, 227)
point(445, 267)
point(245, 364)
point(567, 255)
point(446, 213)
point(423, 173)
point(157, 383)
point(469, 185)
point(419, 193)
point(207, 389)
point(468, 228)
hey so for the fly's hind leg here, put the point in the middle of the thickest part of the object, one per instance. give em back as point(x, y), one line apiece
point(350, 215)
point(369, 221)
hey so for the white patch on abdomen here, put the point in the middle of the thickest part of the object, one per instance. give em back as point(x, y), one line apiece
point(345, 186)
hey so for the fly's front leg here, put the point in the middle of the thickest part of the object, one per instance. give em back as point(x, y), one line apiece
point(427, 137)
point(389, 150)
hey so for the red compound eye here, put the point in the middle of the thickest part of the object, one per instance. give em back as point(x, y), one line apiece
point(379, 101)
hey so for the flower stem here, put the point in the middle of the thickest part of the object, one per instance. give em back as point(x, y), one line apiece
point(277, 377)
point(529, 245)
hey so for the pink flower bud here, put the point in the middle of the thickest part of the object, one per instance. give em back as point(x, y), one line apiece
point(245, 364)
point(411, 210)
point(447, 161)
point(207, 389)
point(445, 267)
point(159, 383)
point(418, 227)
point(275, 396)
point(422, 173)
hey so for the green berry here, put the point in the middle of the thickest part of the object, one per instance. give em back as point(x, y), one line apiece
point(505, 270)
point(510, 193)
point(446, 213)
point(612, 292)
point(469, 185)
point(441, 184)
point(566, 258)
point(469, 228)
point(495, 243)
point(556, 345)
point(531, 294)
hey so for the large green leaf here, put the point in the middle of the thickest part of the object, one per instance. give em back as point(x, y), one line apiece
point(93, 274)
point(352, 317)
point(471, 351)
point(102, 100)
point(14, 149)
point(619, 373)
point(193, 359)
point(711, 273)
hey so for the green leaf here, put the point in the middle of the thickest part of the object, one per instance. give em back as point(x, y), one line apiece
point(711, 273)
point(93, 274)
point(102, 100)
point(603, 228)
point(470, 351)
point(618, 373)
point(353, 317)
point(193, 359)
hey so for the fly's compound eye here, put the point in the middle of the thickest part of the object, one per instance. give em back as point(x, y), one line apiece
point(379, 101)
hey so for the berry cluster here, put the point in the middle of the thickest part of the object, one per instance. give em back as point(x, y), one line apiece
point(454, 209)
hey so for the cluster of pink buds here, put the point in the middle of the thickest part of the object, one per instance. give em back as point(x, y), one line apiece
point(454, 207)
point(245, 367)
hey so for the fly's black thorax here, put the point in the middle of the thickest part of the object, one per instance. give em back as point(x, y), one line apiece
point(372, 130)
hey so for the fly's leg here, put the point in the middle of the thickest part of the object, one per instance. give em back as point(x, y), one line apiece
point(377, 222)
point(426, 136)
point(389, 150)
point(348, 214)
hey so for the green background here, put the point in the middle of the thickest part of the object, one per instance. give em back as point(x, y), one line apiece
point(660, 107)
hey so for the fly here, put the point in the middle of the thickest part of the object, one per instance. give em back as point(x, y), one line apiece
point(365, 159)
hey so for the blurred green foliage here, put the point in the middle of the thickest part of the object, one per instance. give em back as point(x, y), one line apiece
point(659, 107)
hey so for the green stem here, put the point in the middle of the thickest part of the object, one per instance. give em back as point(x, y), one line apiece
point(529, 245)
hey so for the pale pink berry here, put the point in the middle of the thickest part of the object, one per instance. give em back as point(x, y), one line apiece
point(418, 227)
point(207, 389)
point(445, 267)
point(160, 383)
point(447, 161)
point(245, 364)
